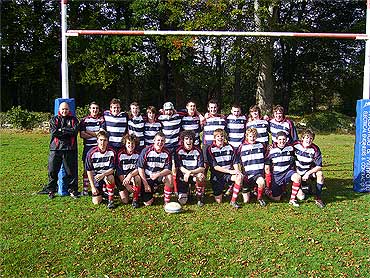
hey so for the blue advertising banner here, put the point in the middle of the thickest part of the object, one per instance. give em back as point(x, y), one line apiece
point(361, 162)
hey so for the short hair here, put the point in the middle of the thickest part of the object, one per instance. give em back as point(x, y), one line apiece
point(135, 104)
point(115, 101)
point(308, 132)
point(255, 108)
point(187, 133)
point(219, 131)
point(94, 103)
point(102, 133)
point(236, 105)
point(159, 134)
point(281, 133)
point(251, 130)
point(151, 109)
point(278, 108)
point(213, 101)
point(190, 101)
point(130, 138)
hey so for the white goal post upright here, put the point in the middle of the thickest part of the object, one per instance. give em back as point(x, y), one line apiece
point(362, 147)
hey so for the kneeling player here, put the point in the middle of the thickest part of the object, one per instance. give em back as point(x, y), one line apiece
point(281, 159)
point(189, 168)
point(309, 163)
point(100, 164)
point(251, 155)
point(224, 171)
point(126, 171)
point(154, 166)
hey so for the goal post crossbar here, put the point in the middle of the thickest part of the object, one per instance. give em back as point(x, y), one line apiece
point(354, 36)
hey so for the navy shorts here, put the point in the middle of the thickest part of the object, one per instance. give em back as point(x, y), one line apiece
point(154, 184)
point(182, 186)
point(249, 184)
point(220, 183)
point(278, 181)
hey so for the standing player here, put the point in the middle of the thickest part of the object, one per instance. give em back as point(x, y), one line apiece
point(282, 123)
point(136, 125)
point(235, 126)
point(151, 126)
point(63, 150)
point(154, 166)
point(115, 124)
point(256, 120)
point(192, 120)
point(252, 155)
point(171, 124)
point(89, 127)
point(127, 172)
point(100, 165)
point(189, 168)
point(281, 160)
point(309, 163)
point(224, 170)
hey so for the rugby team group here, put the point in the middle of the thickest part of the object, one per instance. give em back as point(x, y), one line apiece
point(131, 155)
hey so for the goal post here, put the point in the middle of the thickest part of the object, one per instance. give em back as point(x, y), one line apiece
point(361, 175)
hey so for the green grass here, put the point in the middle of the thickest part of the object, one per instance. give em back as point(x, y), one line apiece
point(73, 238)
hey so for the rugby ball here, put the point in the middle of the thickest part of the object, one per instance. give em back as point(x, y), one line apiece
point(172, 207)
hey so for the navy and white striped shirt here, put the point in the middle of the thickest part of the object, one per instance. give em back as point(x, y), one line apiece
point(150, 130)
point(126, 163)
point(235, 129)
point(223, 157)
point(192, 123)
point(287, 126)
point(282, 160)
point(306, 158)
point(262, 127)
point(92, 124)
point(136, 127)
point(189, 159)
point(210, 125)
point(252, 157)
point(153, 162)
point(99, 162)
point(171, 128)
point(116, 127)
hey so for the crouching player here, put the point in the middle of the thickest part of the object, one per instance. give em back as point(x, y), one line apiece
point(224, 171)
point(154, 166)
point(100, 164)
point(127, 173)
point(281, 160)
point(189, 168)
point(309, 163)
point(251, 155)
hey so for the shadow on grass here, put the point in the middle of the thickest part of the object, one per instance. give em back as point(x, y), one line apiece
point(338, 190)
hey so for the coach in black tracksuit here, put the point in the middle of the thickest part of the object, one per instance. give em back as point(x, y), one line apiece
point(63, 149)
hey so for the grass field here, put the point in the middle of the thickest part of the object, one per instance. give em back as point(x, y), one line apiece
point(72, 238)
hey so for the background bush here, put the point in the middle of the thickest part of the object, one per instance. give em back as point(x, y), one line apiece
point(328, 122)
point(23, 119)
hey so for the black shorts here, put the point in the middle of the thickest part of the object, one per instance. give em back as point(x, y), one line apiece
point(220, 183)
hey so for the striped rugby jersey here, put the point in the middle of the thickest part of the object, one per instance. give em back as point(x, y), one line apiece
point(171, 128)
point(306, 158)
point(189, 159)
point(235, 129)
point(262, 127)
point(126, 163)
point(153, 162)
point(252, 158)
point(150, 130)
point(99, 162)
point(116, 126)
point(287, 126)
point(210, 125)
point(224, 157)
point(282, 160)
point(90, 123)
point(136, 127)
point(192, 123)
